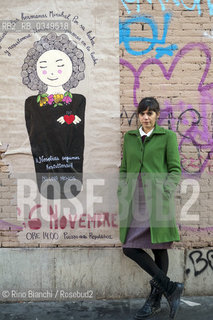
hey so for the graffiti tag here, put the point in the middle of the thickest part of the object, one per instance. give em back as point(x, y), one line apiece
point(127, 39)
point(195, 6)
point(200, 264)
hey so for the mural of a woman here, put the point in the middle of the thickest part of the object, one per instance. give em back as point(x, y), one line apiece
point(55, 117)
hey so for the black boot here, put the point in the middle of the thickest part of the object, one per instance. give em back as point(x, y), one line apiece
point(174, 299)
point(171, 290)
point(151, 305)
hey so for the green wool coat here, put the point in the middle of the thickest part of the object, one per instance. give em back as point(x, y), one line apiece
point(159, 163)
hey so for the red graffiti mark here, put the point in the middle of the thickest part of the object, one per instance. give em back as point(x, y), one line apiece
point(53, 217)
point(84, 220)
point(18, 211)
point(35, 223)
point(63, 222)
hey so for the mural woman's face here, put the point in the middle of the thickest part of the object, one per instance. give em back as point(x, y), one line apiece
point(54, 68)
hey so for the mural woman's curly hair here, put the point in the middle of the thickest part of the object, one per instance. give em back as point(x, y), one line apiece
point(52, 42)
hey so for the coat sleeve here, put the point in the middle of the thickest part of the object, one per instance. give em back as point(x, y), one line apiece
point(123, 168)
point(173, 164)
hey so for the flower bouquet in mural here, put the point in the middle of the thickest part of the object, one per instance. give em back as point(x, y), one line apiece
point(55, 117)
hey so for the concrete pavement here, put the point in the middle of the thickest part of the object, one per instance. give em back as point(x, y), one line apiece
point(102, 310)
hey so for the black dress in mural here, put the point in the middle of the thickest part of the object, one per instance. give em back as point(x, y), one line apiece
point(55, 125)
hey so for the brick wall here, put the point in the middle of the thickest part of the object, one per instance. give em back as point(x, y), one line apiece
point(165, 52)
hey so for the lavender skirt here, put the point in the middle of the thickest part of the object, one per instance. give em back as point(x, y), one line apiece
point(138, 235)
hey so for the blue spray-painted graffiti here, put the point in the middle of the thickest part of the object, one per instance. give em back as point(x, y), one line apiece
point(195, 5)
point(167, 50)
point(126, 38)
point(131, 1)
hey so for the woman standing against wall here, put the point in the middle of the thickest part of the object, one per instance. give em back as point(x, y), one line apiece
point(149, 173)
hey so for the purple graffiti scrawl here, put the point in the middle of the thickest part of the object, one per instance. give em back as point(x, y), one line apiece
point(194, 229)
point(195, 129)
point(167, 74)
point(199, 136)
point(4, 225)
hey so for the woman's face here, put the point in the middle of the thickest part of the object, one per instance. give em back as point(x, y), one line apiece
point(148, 119)
point(54, 68)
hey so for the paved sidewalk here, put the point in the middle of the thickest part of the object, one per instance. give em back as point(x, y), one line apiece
point(101, 310)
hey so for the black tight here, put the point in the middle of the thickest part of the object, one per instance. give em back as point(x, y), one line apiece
point(161, 259)
point(145, 261)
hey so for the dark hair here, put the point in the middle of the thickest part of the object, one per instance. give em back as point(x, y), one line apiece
point(149, 103)
point(52, 42)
